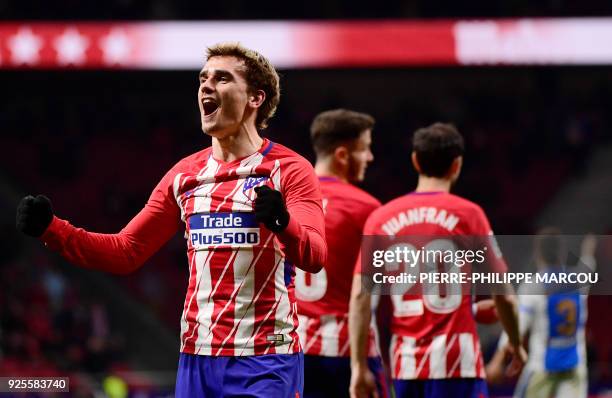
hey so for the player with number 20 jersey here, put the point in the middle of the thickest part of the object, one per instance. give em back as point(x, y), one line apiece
point(433, 336)
point(434, 349)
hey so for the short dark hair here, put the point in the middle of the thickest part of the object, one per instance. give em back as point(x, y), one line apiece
point(436, 147)
point(549, 244)
point(333, 128)
point(259, 74)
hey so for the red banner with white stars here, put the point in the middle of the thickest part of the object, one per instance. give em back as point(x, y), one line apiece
point(182, 45)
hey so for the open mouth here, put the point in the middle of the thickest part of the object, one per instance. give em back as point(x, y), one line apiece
point(210, 106)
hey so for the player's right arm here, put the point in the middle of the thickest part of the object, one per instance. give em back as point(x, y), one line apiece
point(120, 253)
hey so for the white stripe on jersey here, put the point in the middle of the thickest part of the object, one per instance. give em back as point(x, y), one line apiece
point(437, 357)
point(329, 330)
point(468, 355)
point(175, 188)
point(275, 175)
point(407, 358)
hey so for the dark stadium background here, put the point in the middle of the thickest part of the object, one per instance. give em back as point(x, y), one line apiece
point(97, 142)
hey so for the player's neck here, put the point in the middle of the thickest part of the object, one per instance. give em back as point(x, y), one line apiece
point(326, 169)
point(433, 184)
point(236, 146)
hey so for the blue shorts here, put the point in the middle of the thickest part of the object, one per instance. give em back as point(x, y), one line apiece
point(331, 376)
point(443, 388)
point(275, 375)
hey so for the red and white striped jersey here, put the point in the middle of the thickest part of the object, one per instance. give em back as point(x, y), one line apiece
point(323, 298)
point(240, 298)
point(434, 335)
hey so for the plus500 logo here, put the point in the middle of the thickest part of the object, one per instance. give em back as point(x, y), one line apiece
point(235, 229)
point(224, 238)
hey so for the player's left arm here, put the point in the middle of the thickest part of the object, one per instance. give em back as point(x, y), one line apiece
point(363, 382)
point(508, 316)
point(503, 296)
point(527, 309)
point(296, 215)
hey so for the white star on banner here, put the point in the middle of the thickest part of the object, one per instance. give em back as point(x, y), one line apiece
point(116, 47)
point(25, 46)
point(71, 47)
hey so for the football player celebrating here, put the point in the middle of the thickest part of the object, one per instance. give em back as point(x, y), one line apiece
point(251, 208)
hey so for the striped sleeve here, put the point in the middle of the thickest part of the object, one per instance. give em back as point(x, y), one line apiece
point(304, 238)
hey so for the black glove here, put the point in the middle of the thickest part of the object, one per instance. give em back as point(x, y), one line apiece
point(34, 214)
point(270, 209)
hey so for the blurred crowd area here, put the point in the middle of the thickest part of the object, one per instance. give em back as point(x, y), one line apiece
point(97, 143)
point(276, 9)
point(50, 328)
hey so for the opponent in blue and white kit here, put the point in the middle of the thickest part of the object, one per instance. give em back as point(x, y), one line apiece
point(556, 367)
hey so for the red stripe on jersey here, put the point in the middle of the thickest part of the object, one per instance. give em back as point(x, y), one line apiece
point(295, 345)
point(396, 346)
point(188, 310)
point(453, 357)
point(344, 342)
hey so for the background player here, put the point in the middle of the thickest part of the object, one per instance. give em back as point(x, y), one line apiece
point(240, 298)
point(435, 350)
point(341, 140)
point(555, 322)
